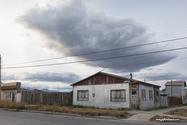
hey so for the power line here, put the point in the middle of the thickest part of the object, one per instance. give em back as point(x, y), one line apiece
point(104, 50)
point(97, 59)
point(170, 22)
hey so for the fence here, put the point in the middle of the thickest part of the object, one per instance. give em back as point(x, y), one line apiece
point(47, 97)
point(163, 101)
point(174, 100)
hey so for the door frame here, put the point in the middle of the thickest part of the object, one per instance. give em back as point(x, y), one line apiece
point(134, 87)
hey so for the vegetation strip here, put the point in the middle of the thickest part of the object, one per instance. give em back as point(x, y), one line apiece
point(85, 111)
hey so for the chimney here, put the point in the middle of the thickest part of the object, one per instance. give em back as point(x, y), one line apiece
point(130, 75)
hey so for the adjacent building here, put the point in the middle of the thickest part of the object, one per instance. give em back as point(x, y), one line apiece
point(11, 92)
point(104, 90)
point(176, 88)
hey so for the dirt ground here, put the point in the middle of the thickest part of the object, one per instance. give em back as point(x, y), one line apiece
point(179, 112)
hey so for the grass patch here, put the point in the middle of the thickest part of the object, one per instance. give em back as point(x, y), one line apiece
point(163, 117)
point(85, 111)
point(179, 112)
point(5, 104)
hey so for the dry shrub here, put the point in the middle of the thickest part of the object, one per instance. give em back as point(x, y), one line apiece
point(6, 104)
point(68, 109)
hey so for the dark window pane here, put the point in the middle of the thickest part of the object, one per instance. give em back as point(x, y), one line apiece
point(133, 92)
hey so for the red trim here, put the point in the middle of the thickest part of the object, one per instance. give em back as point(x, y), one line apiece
point(9, 87)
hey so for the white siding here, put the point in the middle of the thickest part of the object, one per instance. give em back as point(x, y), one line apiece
point(146, 104)
point(102, 95)
point(176, 90)
point(183, 94)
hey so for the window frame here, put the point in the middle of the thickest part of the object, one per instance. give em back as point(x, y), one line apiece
point(9, 95)
point(143, 94)
point(150, 95)
point(83, 98)
point(117, 99)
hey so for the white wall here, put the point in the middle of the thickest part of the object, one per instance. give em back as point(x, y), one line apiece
point(146, 104)
point(102, 95)
point(176, 90)
point(18, 97)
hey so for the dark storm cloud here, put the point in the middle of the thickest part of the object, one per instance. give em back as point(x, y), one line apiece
point(51, 77)
point(165, 76)
point(74, 29)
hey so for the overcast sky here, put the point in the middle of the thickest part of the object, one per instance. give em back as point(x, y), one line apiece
point(44, 29)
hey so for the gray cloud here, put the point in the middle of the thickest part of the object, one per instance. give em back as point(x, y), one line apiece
point(165, 76)
point(6, 77)
point(51, 77)
point(43, 77)
point(74, 29)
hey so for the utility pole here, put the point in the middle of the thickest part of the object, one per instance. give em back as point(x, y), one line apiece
point(0, 77)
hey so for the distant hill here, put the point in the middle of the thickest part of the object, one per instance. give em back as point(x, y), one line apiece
point(47, 90)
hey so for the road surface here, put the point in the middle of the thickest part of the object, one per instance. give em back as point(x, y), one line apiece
point(28, 118)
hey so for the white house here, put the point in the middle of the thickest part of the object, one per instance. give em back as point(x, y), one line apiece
point(104, 90)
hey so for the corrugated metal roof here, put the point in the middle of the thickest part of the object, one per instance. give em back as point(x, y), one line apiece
point(175, 83)
point(124, 78)
point(163, 94)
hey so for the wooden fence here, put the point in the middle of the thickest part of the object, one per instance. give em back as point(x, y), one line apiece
point(174, 100)
point(47, 97)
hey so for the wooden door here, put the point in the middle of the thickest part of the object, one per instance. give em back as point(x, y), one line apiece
point(13, 97)
point(134, 96)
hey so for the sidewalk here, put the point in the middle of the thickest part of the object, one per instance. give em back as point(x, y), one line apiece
point(146, 115)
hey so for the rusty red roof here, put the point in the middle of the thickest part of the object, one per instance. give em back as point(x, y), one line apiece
point(175, 83)
point(117, 76)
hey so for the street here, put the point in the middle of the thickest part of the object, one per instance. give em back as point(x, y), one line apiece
point(27, 118)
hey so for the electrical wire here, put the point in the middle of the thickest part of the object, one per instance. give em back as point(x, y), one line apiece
point(114, 57)
point(165, 41)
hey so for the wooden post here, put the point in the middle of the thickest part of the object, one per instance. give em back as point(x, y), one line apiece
point(171, 88)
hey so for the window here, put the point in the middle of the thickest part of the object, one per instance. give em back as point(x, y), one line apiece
point(118, 95)
point(143, 95)
point(133, 92)
point(150, 95)
point(82, 95)
point(8, 95)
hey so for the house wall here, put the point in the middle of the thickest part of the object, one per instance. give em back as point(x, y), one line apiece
point(102, 97)
point(176, 90)
point(157, 98)
point(18, 97)
point(146, 104)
